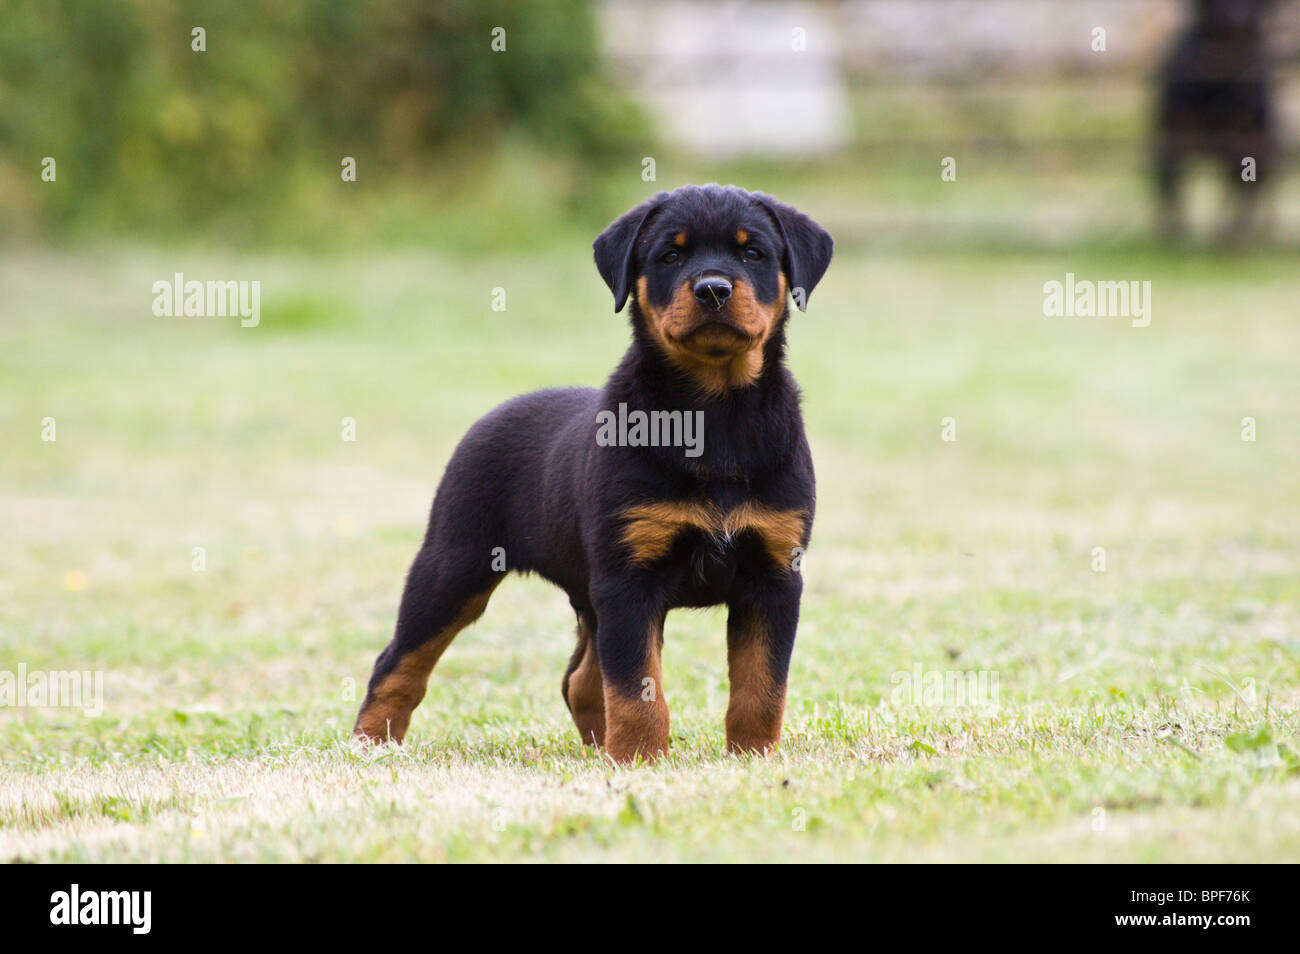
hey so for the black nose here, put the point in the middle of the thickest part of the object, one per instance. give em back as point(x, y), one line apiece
point(712, 290)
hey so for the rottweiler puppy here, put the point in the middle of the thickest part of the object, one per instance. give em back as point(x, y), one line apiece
point(1216, 100)
point(685, 482)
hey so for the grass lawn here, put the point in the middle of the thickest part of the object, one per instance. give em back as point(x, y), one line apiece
point(1147, 712)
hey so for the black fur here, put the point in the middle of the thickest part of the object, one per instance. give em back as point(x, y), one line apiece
point(531, 479)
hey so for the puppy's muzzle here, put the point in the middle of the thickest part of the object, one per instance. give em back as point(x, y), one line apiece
point(712, 291)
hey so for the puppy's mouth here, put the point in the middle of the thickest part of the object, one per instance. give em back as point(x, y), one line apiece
point(716, 338)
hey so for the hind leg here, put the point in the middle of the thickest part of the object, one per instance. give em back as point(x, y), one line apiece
point(1169, 173)
point(445, 592)
point(583, 687)
point(1243, 224)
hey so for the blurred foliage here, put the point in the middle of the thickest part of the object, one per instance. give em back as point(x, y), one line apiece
point(245, 140)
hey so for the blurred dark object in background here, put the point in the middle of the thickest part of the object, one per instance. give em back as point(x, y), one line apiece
point(1216, 100)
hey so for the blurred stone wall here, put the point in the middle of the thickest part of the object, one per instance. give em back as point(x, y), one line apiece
point(952, 38)
point(773, 78)
point(735, 78)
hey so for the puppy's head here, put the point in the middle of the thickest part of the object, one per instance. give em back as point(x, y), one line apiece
point(709, 269)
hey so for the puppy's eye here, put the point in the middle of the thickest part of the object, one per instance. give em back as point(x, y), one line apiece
point(670, 256)
point(752, 254)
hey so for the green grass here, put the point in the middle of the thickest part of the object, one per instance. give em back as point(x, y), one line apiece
point(1145, 713)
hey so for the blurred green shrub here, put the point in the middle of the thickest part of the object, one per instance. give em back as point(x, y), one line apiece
point(246, 138)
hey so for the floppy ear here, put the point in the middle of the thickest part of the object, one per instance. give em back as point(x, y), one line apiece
point(615, 246)
point(808, 248)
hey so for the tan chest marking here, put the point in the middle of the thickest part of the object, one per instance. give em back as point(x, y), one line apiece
point(650, 529)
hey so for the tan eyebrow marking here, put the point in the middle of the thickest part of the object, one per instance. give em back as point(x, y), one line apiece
point(742, 237)
point(680, 239)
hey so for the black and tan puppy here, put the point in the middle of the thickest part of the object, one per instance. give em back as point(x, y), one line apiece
point(1216, 102)
point(686, 481)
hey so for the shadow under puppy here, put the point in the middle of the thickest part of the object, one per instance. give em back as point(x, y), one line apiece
point(1216, 101)
point(685, 482)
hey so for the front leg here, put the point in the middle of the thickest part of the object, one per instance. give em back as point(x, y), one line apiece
point(629, 638)
point(763, 615)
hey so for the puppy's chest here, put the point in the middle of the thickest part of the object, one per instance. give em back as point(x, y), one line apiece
point(709, 539)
